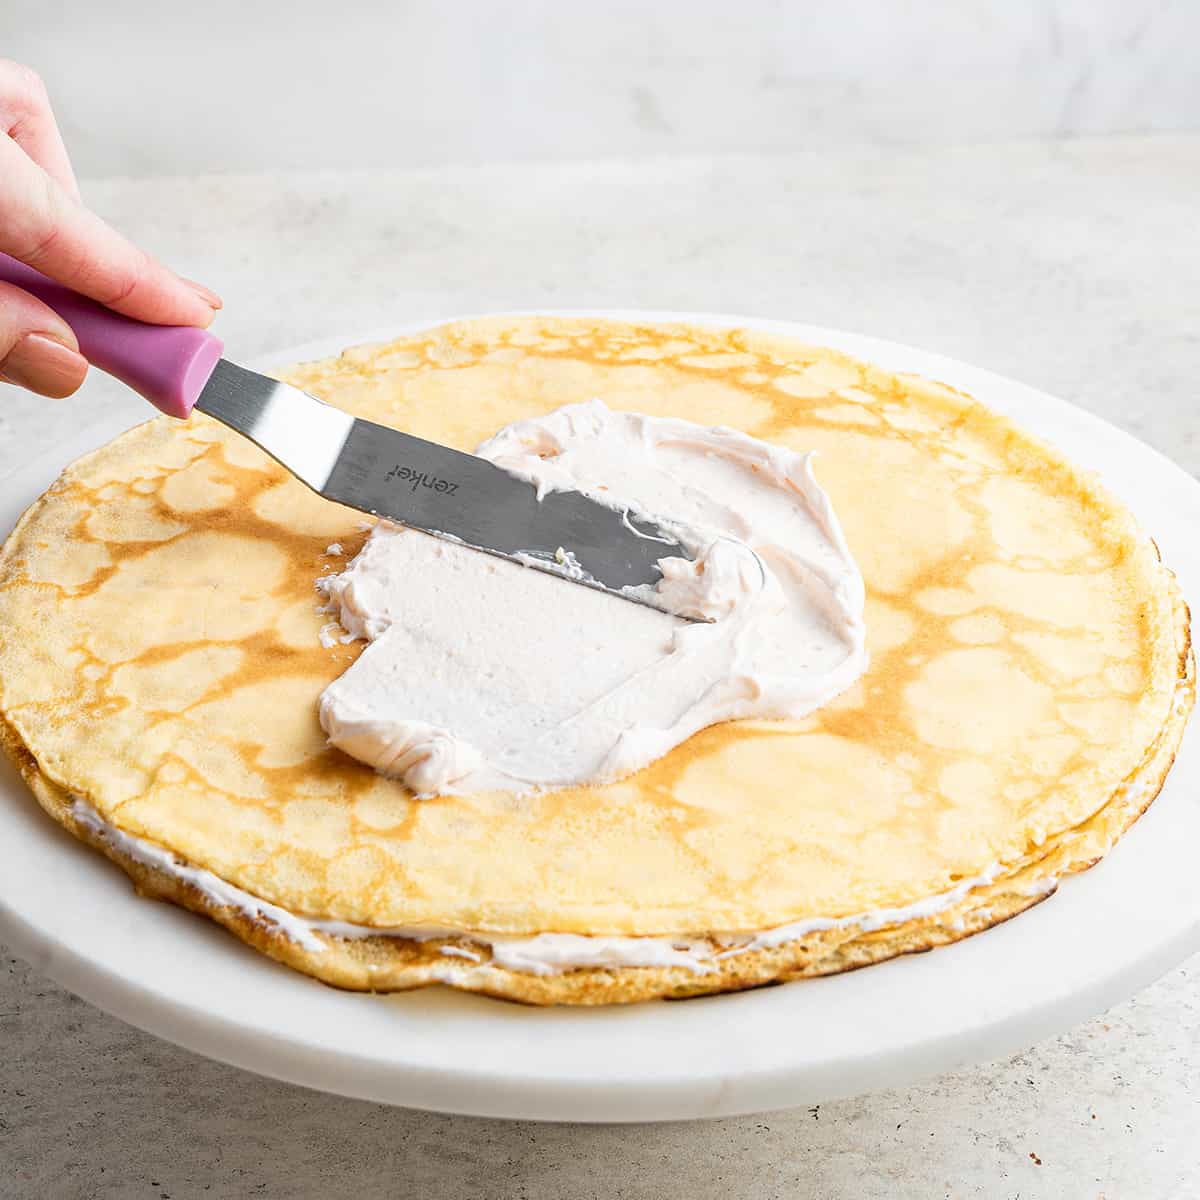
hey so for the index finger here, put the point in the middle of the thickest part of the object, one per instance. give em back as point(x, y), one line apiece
point(52, 232)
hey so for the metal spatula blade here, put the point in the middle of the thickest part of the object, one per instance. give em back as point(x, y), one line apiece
point(430, 487)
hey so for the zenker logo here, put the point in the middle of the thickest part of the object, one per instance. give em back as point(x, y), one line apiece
point(421, 479)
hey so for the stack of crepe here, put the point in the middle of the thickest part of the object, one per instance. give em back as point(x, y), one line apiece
point(1030, 675)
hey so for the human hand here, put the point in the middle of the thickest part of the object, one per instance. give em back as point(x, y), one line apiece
point(44, 224)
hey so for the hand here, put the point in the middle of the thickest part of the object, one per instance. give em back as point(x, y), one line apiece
point(43, 223)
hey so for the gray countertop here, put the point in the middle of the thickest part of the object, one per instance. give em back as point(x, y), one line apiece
point(1070, 266)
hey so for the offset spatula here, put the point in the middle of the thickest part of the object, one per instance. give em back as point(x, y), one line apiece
point(370, 467)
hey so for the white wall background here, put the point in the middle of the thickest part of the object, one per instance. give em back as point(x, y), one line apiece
point(162, 87)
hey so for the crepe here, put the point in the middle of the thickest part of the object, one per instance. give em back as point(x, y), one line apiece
point(1030, 676)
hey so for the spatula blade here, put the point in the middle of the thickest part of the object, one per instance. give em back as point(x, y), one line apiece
point(444, 492)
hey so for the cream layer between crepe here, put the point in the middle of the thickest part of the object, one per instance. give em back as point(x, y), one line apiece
point(485, 675)
point(539, 954)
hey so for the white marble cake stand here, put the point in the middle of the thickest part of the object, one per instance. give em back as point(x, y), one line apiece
point(1103, 936)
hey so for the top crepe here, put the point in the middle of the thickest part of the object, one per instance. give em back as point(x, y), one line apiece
point(160, 658)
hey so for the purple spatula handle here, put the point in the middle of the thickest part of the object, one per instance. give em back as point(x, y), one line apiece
point(168, 364)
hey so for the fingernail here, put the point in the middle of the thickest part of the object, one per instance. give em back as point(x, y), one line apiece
point(209, 297)
point(45, 366)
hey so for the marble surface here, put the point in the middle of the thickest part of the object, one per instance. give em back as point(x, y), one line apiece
point(1068, 265)
point(283, 84)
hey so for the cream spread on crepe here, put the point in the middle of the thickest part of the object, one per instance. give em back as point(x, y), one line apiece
point(483, 675)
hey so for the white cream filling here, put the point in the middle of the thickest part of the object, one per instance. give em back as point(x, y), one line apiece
point(483, 675)
point(537, 954)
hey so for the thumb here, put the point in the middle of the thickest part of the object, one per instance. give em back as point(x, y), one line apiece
point(38, 351)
